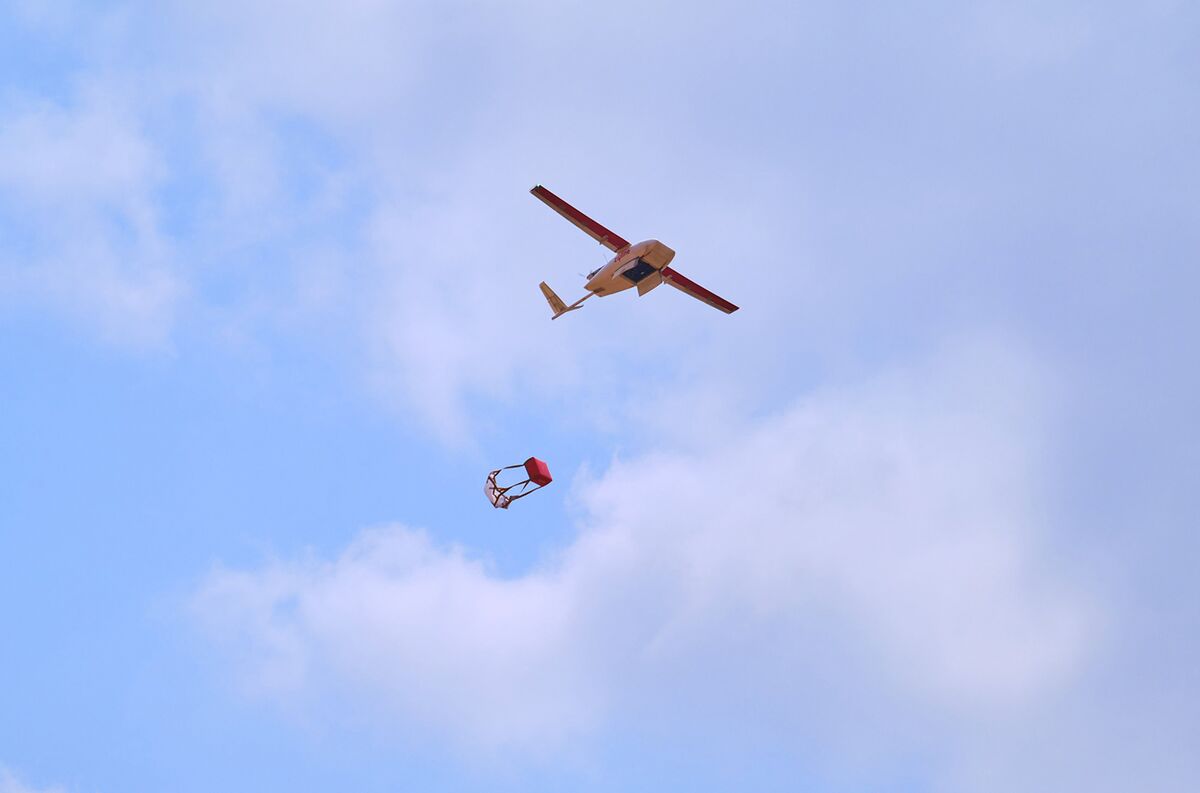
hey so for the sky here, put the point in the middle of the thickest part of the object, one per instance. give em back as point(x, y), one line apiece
point(921, 516)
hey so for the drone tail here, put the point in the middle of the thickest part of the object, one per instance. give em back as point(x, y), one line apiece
point(556, 303)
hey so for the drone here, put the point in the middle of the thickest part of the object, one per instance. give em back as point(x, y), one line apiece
point(644, 265)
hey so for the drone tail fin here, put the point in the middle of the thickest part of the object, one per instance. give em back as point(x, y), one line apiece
point(556, 303)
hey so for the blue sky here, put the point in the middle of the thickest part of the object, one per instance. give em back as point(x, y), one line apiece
point(920, 517)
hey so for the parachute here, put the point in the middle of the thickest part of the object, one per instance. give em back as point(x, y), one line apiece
point(538, 474)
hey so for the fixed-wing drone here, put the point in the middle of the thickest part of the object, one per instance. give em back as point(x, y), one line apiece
point(643, 265)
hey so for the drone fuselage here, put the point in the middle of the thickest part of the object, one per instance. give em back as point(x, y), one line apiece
point(631, 267)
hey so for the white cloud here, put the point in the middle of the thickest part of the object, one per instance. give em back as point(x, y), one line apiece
point(342, 64)
point(457, 313)
point(899, 517)
point(79, 184)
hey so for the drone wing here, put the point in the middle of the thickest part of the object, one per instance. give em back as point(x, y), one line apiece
point(590, 227)
point(690, 287)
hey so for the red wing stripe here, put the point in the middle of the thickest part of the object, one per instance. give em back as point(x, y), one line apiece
point(593, 229)
point(688, 286)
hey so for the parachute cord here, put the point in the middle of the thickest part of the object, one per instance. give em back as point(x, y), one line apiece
point(524, 493)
